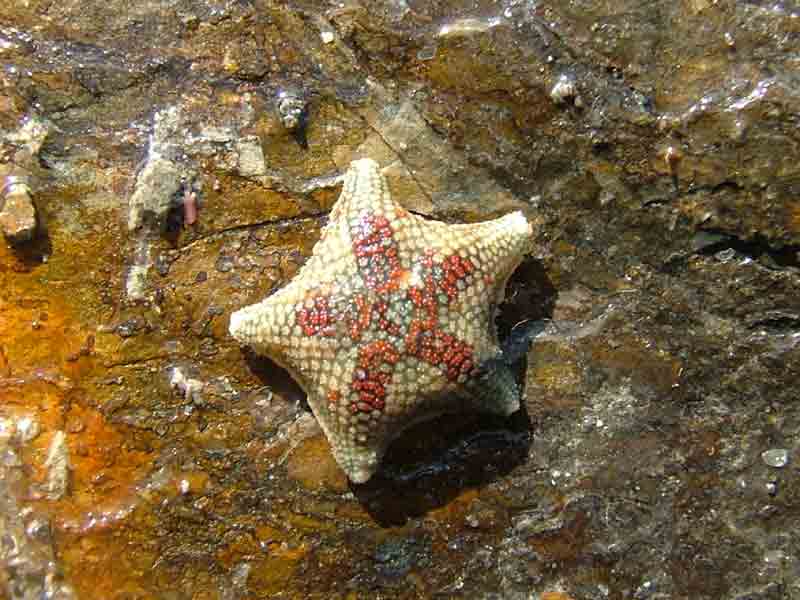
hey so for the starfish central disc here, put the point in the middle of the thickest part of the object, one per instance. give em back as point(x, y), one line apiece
point(391, 320)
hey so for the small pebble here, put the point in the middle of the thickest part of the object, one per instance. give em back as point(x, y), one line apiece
point(224, 264)
point(128, 328)
point(291, 108)
point(564, 90)
point(38, 529)
point(772, 488)
point(776, 457)
point(17, 212)
point(725, 255)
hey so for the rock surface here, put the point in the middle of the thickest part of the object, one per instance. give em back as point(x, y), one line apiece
point(654, 146)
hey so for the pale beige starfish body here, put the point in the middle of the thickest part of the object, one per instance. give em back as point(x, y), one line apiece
point(391, 320)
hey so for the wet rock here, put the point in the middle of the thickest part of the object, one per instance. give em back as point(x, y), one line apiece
point(224, 264)
point(129, 328)
point(27, 429)
point(312, 465)
point(164, 174)
point(28, 567)
point(136, 282)
point(162, 265)
point(396, 557)
point(31, 135)
point(655, 325)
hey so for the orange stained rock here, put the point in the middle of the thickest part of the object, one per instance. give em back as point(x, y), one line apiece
point(240, 547)
point(47, 372)
point(192, 482)
point(793, 217)
point(105, 564)
point(269, 536)
point(273, 574)
point(456, 508)
point(555, 596)
point(37, 335)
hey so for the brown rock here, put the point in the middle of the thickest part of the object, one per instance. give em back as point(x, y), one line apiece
point(18, 215)
point(313, 466)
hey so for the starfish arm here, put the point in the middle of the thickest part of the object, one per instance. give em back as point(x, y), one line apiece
point(359, 461)
point(498, 245)
point(359, 440)
point(494, 390)
point(275, 326)
point(365, 191)
point(358, 458)
point(495, 248)
point(270, 328)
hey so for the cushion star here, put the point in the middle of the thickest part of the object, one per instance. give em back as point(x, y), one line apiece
point(391, 320)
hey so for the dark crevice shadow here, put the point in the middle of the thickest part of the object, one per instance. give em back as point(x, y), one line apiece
point(530, 296)
point(36, 251)
point(433, 462)
point(275, 377)
point(530, 299)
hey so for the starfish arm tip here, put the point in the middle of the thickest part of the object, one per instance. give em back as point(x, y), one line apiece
point(519, 224)
point(358, 464)
point(359, 475)
point(496, 391)
point(236, 327)
point(364, 164)
point(244, 324)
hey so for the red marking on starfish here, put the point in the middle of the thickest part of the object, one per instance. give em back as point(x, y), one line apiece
point(369, 379)
point(376, 253)
point(456, 269)
point(317, 318)
point(430, 344)
point(359, 322)
point(379, 309)
point(441, 282)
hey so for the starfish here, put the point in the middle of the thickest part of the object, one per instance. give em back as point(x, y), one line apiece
point(391, 320)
